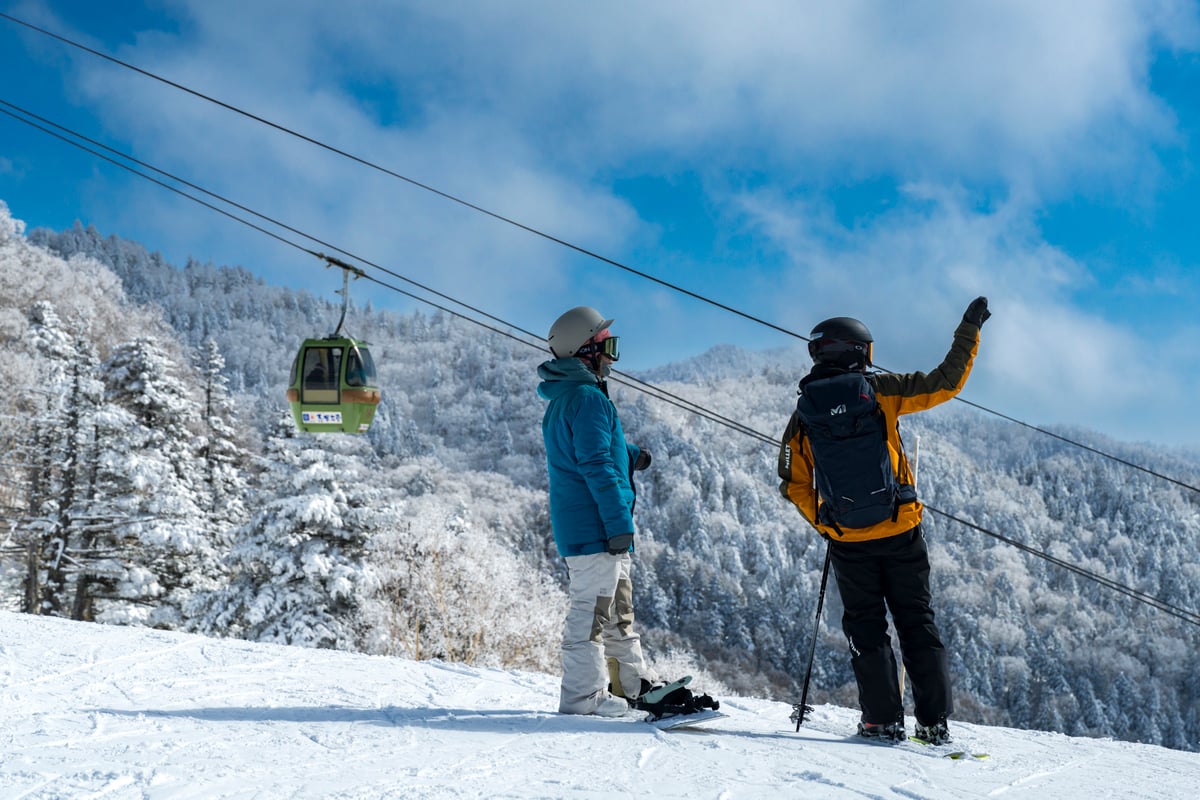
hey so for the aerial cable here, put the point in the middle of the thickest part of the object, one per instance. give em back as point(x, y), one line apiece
point(1089, 448)
point(584, 251)
point(1190, 617)
point(1158, 603)
point(164, 185)
point(215, 196)
point(392, 173)
point(658, 392)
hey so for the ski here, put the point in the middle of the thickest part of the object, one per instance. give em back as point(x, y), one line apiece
point(922, 746)
point(957, 755)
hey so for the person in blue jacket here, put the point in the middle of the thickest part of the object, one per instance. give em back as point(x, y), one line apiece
point(590, 467)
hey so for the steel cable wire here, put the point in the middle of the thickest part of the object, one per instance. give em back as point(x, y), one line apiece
point(535, 231)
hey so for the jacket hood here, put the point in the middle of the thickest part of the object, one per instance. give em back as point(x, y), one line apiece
point(560, 374)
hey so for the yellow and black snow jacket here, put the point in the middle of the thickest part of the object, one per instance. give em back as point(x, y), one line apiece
point(897, 395)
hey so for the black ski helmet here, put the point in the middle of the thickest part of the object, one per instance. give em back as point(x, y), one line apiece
point(841, 342)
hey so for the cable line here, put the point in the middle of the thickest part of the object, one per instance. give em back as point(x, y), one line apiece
point(634, 383)
point(1089, 448)
point(215, 196)
point(549, 237)
point(535, 232)
point(1190, 617)
point(392, 173)
point(628, 379)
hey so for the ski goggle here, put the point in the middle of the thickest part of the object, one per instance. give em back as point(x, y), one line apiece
point(610, 347)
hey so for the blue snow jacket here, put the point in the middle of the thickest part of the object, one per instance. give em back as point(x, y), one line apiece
point(588, 459)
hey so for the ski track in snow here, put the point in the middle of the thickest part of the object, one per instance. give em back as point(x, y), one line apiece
point(90, 711)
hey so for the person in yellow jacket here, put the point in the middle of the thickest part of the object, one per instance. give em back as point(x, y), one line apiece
point(843, 466)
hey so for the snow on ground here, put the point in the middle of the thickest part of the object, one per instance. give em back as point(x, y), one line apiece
point(91, 711)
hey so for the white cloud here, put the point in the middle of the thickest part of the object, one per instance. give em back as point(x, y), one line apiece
point(1029, 89)
point(513, 105)
point(396, 224)
point(910, 275)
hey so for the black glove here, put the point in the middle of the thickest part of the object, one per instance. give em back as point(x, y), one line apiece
point(977, 312)
point(643, 460)
point(620, 543)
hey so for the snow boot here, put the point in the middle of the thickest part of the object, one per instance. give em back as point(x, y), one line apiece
point(938, 733)
point(883, 731)
point(611, 706)
point(634, 692)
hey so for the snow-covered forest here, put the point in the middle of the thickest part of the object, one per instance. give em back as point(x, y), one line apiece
point(152, 476)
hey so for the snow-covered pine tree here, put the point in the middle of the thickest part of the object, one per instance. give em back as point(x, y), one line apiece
point(222, 454)
point(147, 478)
point(61, 393)
point(301, 566)
point(223, 462)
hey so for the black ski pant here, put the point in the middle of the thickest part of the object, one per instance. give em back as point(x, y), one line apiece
point(873, 578)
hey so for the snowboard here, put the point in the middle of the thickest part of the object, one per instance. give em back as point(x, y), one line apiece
point(684, 720)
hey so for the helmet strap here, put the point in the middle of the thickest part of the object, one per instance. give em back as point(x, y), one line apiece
point(601, 369)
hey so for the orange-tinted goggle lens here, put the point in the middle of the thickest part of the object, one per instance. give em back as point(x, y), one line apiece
point(610, 347)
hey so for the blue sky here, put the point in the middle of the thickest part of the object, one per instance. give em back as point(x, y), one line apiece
point(794, 160)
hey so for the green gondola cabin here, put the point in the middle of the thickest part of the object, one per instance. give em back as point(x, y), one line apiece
point(333, 387)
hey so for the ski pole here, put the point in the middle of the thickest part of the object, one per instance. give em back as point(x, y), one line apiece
point(916, 467)
point(802, 708)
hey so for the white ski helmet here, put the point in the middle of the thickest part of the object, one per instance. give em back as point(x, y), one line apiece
point(573, 329)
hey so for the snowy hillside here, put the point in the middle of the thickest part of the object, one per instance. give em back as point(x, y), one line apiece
point(429, 537)
point(98, 711)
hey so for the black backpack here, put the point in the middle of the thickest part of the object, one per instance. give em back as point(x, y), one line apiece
point(848, 435)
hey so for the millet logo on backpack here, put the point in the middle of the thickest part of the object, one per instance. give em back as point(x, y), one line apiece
point(833, 412)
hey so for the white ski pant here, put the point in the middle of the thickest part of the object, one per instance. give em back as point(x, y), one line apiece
point(599, 625)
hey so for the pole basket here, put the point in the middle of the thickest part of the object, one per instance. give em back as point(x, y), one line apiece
point(800, 712)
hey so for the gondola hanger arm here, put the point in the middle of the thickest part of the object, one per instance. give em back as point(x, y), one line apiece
point(347, 270)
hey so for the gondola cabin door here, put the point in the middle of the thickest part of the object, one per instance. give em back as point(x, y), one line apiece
point(334, 388)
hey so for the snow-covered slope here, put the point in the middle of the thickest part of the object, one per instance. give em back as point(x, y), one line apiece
point(105, 712)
